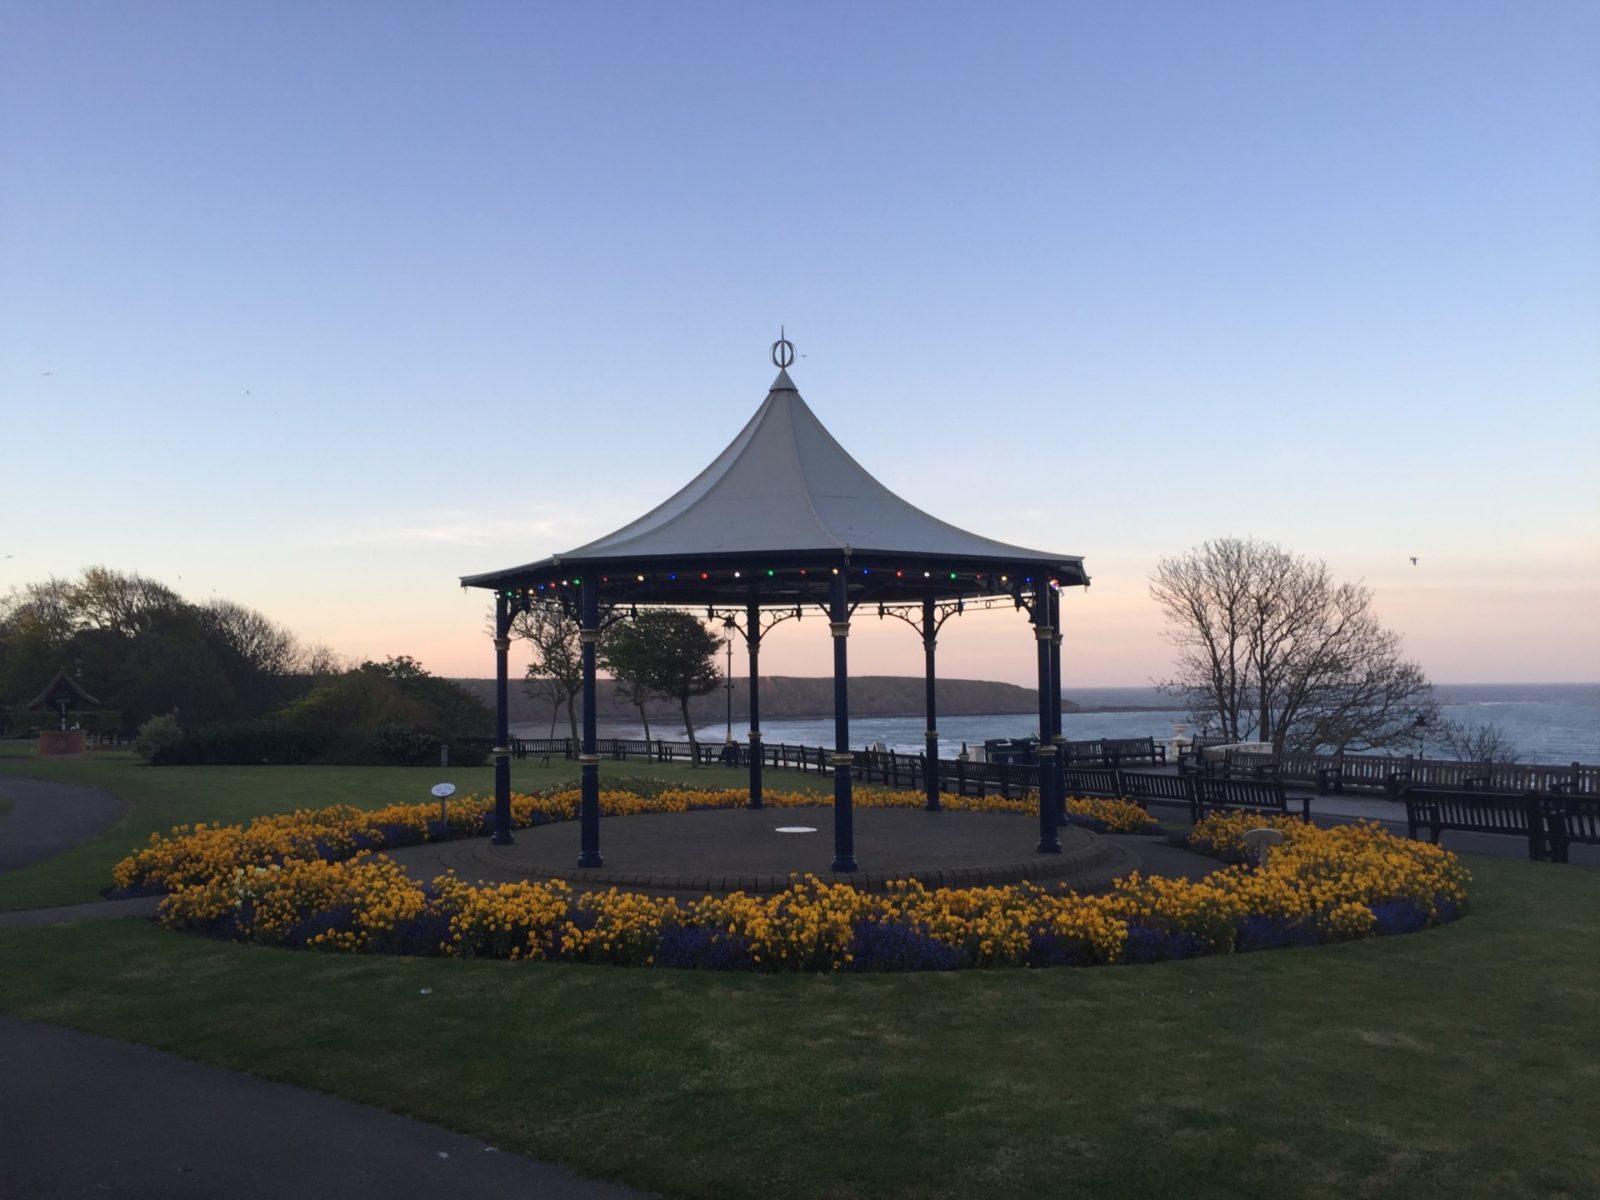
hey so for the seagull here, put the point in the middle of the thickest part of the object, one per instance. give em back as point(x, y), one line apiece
point(1413, 560)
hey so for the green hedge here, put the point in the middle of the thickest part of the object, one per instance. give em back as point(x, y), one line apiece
point(275, 741)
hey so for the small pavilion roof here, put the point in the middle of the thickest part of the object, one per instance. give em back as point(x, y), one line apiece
point(62, 687)
point(783, 497)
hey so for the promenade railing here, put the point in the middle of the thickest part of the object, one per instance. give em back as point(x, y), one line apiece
point(1389, 774)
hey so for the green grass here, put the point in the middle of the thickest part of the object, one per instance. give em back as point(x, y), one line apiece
point(161, 797)
point(1458, 1062)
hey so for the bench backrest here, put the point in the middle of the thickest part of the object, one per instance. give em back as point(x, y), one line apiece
point(1579, 817)
point(1087, 751)
point(1090, 781)
point(1146, 785)
point(1468, 812)
point(1240, 793)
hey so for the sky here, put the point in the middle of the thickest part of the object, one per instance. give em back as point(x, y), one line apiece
point(320, 307)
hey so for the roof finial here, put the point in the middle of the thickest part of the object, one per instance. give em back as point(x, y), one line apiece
point(782, 352)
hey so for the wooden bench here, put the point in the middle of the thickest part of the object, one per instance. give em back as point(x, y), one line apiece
point(1250, 795)
point(1313, 770)
point(1249, 764)
point(1147, 785)
point(1508, 813)
point(1121, 750)
point(1570, 819)
point(1084, 754)
point(1091, 781)
point(1391, 775)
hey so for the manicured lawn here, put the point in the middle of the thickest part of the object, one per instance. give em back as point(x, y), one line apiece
point(161, 797)
point(1458, 1062)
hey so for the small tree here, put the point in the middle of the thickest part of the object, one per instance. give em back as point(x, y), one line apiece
point(669, 654)
point(1476, 743)
point(1270, 648)
point(556, 672)
point(625, 656)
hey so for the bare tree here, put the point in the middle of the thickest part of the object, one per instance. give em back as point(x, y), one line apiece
point(1271, 649)
point(266, 646)
point(319, 660)
point(556, 672)
point(1476, 743)
point(122, 603)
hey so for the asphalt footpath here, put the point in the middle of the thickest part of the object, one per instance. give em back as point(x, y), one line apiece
point(47, 818)
point(85, 1116)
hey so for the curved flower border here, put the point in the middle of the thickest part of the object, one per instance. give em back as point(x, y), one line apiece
point(314, 879)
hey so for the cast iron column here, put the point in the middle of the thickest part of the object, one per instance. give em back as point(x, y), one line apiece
point(1049, 839)
point(1055, 707)
point(589, 804)
point(752, 629)
point(502, 724)
point(931, 737)
point(844, 836)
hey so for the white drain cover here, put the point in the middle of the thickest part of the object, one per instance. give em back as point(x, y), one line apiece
point(797, 829)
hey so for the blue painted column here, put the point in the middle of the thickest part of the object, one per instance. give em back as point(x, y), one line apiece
point(1049, 838)
point(844, 835)
point(502, 724)
point(930, 739)
point(1055, 704)
point(752, 628)
point(589, 760)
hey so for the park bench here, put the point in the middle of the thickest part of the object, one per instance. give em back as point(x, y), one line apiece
point(1249, 764)
point(1148, 785)
point(1569, 819)
point(1312, 770)
point(1091, 781)
point(1084, 754)
point(1121, 750)
point(1391, 775)
point(1508, 813)
point(1249, 795)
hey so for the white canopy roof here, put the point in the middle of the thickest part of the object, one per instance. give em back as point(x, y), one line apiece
point(785, 487)
point(784, 484)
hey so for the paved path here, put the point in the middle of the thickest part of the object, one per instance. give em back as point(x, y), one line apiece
point(85, 1116)
point(47, 818)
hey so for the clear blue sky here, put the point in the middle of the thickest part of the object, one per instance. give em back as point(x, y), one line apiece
point(318, 307)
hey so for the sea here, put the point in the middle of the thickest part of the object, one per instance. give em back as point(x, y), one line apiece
point(1548, 723)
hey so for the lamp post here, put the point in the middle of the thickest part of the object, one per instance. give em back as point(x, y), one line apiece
point(727, 677)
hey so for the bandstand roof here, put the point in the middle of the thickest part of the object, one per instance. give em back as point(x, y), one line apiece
point(771, 519)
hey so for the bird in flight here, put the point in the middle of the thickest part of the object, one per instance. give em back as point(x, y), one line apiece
point(1413, 560)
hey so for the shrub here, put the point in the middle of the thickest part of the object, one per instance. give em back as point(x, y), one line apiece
point(403, 746)
point(156, 736)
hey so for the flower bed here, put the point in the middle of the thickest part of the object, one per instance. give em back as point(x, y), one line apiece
point(312, 879)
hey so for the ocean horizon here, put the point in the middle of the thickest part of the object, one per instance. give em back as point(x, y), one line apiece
point(1548, 723)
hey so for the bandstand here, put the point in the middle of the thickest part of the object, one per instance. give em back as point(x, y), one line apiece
point(784, 520)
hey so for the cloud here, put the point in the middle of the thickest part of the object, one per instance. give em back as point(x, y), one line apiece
point(549, 531)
